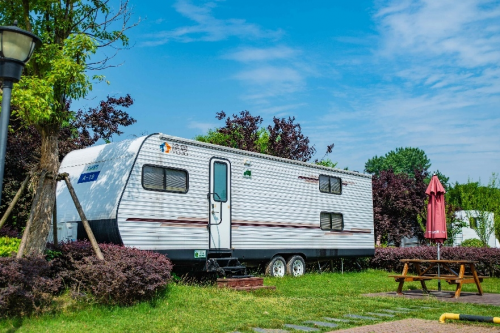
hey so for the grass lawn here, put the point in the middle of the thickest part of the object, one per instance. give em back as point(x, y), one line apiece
point(191, 308)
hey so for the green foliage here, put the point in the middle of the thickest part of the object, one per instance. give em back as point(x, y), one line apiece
point(453, 229)
point(71, 32)
point(8, 245)
point(402, 160)
point(479, 202)
point(38, 97)
point(327, 163)
point(473, 242)
point(52, 254)
point(215, 137)
point(442, 179)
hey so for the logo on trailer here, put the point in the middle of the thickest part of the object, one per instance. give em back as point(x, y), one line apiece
point(174, 148)
point(93, 167)
point(165, 148)
point(90, 174)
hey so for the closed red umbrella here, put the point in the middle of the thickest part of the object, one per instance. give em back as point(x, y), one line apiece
point(435, 228)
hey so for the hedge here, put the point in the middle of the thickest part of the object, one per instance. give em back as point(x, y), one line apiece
point(488, 259)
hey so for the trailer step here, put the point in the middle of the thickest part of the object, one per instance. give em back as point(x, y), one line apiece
point(226, 266)
point(246, 284)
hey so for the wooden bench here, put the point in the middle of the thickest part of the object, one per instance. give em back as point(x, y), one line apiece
point(450, 276)
point(410, 278)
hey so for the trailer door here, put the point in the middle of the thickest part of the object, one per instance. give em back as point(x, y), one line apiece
point(219, 198)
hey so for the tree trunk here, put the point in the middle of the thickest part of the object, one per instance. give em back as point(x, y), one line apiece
point(42, 214)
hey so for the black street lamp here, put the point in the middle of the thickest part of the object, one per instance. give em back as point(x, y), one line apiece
point(16, 48)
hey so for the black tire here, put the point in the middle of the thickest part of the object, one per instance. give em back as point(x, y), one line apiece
point(276, 267)
point(296, 266)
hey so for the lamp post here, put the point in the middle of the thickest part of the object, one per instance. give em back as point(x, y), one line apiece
point(16, 48)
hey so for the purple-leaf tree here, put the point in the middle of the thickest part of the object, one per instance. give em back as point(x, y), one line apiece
point(398, 199)
point(284, 138)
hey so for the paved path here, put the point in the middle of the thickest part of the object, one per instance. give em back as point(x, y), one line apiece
point(419, 326)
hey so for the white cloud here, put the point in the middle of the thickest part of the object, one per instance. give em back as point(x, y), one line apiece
point(437, 87)
point(271, 75)
point(202, 127)
point(280, 110)
point(455, 29)
point(250, 54)
point(207, 27)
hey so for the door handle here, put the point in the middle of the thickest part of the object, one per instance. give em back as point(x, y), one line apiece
point(213, 208)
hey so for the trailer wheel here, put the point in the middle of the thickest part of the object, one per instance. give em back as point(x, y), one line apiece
point(276, 267)
point(296, 266)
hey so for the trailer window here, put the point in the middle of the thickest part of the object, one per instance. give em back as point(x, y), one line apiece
point(220, 181)
point(164, 179)
point(331, 221)
point(330, 184)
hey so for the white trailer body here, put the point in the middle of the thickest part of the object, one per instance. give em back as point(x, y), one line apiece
point(190, 200)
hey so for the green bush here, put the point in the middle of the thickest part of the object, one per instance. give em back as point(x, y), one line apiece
point(473, 242)
point(8, 245)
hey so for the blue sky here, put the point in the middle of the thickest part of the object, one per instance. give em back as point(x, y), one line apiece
point(369, 76)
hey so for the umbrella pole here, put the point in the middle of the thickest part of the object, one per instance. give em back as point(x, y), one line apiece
point(439, 280)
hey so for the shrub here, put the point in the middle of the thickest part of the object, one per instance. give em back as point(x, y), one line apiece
point(8, 245)
point(473, 242)
point(488, 259)
point(27, 285)
point(125, 277)
point(8, 232)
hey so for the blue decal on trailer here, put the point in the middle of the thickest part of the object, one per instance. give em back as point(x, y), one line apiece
point(88, 177)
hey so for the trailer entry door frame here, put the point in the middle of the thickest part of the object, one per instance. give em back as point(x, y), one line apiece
point(219, 198)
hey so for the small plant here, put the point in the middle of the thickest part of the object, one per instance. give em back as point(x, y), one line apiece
point(473, 242)
point(8, 245)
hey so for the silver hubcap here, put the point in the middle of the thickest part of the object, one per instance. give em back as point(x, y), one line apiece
point(278, 268)
point(298, 268)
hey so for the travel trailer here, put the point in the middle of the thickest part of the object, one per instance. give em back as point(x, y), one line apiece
point(210, 206)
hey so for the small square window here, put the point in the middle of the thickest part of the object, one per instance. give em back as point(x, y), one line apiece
point(331, 221)
point(330, 184)
point(157, 178)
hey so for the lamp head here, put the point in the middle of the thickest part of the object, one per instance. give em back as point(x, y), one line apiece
point(16, 49)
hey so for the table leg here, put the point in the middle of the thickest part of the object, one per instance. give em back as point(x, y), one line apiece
point(402, 281)
point(424, 287)
point(422, 282)
point(459, 285)
point(476, 279)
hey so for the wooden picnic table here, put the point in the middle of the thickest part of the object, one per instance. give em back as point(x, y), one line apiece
point(450, 276)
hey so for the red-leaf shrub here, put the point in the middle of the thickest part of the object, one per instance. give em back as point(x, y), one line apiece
point(488, 259)
point(7, 231)
point(27, 285)
point(125, 277)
